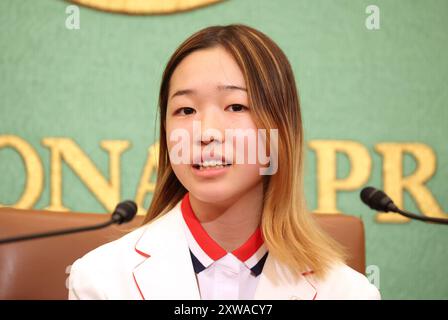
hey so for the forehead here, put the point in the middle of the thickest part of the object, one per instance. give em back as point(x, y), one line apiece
point(207, 67)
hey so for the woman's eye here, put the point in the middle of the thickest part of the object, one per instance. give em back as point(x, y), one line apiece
point(184, 111)
point(237, 107)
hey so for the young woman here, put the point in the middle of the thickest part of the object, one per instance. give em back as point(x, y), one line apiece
point(217, 228)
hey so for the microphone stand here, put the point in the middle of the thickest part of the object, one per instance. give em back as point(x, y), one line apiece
point(378, 200)
point(421, 218)
point(124, 212)
point(56, 233)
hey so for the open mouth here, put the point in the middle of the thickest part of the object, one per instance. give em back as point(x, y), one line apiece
point(208, 165)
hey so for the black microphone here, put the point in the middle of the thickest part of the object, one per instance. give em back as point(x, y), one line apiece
point(124, 212)
point(378, 200)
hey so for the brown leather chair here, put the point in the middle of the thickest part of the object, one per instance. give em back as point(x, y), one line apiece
point(38, 269)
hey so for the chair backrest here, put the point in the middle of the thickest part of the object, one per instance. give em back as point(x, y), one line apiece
point(38, 269)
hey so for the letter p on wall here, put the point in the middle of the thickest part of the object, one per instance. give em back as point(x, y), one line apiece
point(394, 181)
point(327, 183)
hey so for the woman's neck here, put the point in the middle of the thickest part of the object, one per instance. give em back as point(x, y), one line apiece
point(231, 224)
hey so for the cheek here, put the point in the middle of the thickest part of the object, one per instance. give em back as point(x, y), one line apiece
point(246, 174)
point(179, 144)
point(182, 172)
point(254, 150)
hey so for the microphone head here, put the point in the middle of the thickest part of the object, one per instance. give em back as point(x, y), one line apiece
point(377, 200)
point(124, 212)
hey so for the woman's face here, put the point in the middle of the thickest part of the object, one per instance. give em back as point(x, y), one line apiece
point(208, 88)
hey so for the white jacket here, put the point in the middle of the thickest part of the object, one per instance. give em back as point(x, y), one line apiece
point(154, 262)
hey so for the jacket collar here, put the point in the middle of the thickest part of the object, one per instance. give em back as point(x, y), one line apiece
point(205, 250)
point(167, 271)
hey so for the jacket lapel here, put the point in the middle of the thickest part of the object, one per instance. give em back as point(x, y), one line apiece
point(167, 271)
point(277, 283)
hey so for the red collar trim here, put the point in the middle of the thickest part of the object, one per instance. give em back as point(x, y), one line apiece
point(210, 246)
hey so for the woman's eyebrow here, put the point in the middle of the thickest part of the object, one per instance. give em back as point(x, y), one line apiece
point(220, 88)
point(231, 87)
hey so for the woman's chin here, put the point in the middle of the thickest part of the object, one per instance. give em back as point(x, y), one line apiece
point(211, 194)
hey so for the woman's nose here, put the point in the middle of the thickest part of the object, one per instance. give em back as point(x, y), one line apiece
point(212, 127)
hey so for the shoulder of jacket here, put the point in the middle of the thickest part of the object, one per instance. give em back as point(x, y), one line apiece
point(116, 248)
point(122, 250)
point(343, 282)
point(106, 258)
point(111, 264)
point(93, 275)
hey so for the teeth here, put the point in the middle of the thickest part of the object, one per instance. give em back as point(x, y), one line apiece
point(212, 164)
point(206, 168)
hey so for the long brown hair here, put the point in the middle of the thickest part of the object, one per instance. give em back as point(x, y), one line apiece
point(289, 230)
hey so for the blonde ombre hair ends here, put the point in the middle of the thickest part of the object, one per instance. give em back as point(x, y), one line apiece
point(290, 232)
